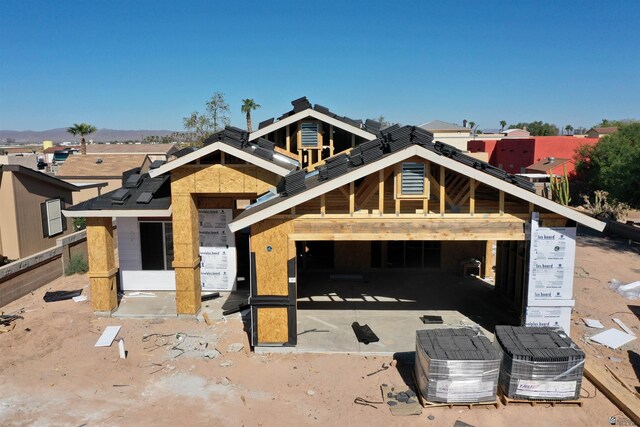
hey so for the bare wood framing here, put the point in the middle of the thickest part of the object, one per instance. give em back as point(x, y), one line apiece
point(323, 205)
point(501, 203)
point(330, 140)
point(442, 190)
point(288, 139)
point(472, 196)
point(352, 198)
point(381, 178)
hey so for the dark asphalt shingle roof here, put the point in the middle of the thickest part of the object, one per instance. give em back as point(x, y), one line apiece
point(392, 140)
point(303, 103)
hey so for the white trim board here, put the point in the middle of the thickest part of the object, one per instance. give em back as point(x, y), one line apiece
point(226, 148)
point(127, 213)
point(392, 159)
point(310, 112)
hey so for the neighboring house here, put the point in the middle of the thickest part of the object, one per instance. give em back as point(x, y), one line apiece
point(28, 160)
point(515, 155)
point(153, 151)
point(31, 218)
point(449, 133)
point(397, 202)
point(58, 154)
point(599, 132)
point(91, 171)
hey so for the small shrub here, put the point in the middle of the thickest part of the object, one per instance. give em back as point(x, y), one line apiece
point(79, 223)
point(77, 265)
point(605, 209)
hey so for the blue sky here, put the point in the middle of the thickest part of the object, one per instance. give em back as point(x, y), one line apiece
point(146, 64)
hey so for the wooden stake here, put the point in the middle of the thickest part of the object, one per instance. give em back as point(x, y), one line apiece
point(442, 190)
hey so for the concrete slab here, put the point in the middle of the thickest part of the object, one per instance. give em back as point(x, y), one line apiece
point(391, 303)
point(146, 305)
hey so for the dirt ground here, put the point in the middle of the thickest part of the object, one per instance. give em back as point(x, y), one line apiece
point(180, 372)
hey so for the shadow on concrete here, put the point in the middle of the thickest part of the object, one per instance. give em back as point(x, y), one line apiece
point(409, 291)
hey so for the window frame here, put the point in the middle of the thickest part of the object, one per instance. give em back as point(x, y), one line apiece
point(168, 264)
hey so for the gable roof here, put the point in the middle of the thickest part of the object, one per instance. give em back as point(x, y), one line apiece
point(235, 142)
point(39, 175)
point(99, 165)
point(547, 164)
point(302, 109)
point(393, 147)
point(140, 195)
point(604, 130)
point(439, 125)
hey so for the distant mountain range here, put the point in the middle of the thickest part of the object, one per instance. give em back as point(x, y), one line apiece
point(61, 135)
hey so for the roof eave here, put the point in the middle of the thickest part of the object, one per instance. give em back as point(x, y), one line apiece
point(108, 213)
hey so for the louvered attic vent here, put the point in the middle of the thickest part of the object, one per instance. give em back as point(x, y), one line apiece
point(309, 135)
point(412, 179)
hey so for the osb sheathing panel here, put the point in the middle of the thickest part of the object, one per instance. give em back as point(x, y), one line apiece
point(100, 244)
point(183, 180)
point(103, 293)
point(265, 180)
point(188, 290)
point(249, 185)
point(352, 255)
point(269, 241)
point(273, 326)
point(215, 202)
point(208, 180)
point(231, 180)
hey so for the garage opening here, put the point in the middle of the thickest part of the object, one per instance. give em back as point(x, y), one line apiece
point(390, 285)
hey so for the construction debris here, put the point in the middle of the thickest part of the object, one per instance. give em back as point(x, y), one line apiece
point(107, 337)
point(593, 323)
point(613, 338)
point(52, 296)
point(623, 326)
point(401, 402)
point(235, 347)
point(364, 333)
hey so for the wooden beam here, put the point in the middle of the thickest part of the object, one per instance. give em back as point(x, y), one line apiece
point(323, 205)
point(397, 207)
point(344, 192)
point(381, 191)
point(616, 392)
point(352, 198)
point(442, 190)
point(380, 229)
point(501, 203)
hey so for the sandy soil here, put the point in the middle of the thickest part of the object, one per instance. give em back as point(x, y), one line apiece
point(51, 373)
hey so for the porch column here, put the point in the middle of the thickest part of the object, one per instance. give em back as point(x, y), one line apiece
point(102, 265)
point(186, 258)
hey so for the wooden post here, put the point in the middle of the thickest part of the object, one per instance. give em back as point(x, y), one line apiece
point(288, 139)
point(501, 203)
point(531, 207)
point(186, 249)
point(330, 140)
point(323, 205)
point(427, 187)
point(102, 265)
point(352, 198)
point(441, 184)
point(488, 259)
point(472, 196)
point(381, 192)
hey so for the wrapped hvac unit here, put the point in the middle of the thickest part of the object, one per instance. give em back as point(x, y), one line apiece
point(456, 366)
point(539, 363)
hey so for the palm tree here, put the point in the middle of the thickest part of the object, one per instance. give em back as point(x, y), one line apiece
point(568, 128)
point(248, 105)
point(472, 124)
point(502, 125)
point(82, 129)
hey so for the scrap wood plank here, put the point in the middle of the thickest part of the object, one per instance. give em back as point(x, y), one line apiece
point(206, 319)
point(616, 392)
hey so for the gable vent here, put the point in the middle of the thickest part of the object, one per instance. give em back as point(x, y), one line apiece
point(309, 134)
point(412, 178)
